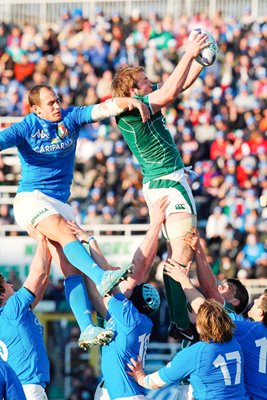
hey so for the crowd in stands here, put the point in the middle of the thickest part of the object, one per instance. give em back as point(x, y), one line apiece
point(219, 125)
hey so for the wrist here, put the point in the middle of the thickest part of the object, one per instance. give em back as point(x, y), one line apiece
point(89, 240)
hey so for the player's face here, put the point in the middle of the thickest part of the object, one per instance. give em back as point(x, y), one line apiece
point(49, 107)
point(227, 290)
point(144, 85)
point(255, 312)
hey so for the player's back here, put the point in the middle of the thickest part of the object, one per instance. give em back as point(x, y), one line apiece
point(253, 339)
point(21, 339)
point(131, 340)
point(215, 370)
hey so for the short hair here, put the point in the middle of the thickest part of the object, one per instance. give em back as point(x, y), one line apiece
point(214, 323)
point(263, 306)
point(34, 95)
point(2, 287)
point(241, 294)
point(124, 80)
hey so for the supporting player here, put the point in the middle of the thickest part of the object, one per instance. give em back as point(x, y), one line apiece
point(46, 141)
point(214, 365)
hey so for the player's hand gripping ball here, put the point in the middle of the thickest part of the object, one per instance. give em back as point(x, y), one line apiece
point(207, 56)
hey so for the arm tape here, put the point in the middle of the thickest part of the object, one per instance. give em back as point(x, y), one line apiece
point(90, 239)
point(108, 108)
point(153, 381)
point(147, 382)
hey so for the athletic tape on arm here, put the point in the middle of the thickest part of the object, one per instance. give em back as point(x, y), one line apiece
point(108, 108)
point(153, 381)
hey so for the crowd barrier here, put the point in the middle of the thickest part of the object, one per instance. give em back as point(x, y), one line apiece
point(43, 13)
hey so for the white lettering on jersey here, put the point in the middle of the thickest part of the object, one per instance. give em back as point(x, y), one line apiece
point(3, 351)
point(49, 148)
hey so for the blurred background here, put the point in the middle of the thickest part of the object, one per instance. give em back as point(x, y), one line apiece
point(219, 125)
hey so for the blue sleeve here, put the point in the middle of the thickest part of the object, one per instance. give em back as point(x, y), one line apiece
point(13, 136)
point(18, 304)
point(122, 310)
point(82, 115)
point(181, 366)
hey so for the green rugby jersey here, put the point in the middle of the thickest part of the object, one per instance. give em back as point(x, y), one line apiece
point(150, 142)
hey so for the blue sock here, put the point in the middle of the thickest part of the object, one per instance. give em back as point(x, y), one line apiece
point(77, 298)
point(79, 257)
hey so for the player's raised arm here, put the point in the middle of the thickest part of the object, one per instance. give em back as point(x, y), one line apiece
point(37, 279)
point(175, 82)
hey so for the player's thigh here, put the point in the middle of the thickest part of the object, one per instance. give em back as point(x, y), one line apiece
point(34, 392)
point(61, 260)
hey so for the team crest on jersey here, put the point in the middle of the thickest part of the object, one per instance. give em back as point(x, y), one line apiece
point(62, 131)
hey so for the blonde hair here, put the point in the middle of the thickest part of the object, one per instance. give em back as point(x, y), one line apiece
point(214, 323)
point(124, 80)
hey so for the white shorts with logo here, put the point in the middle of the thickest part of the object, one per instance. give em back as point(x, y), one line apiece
point(176, 187)
point(34, 392)
point(101, 393)
point(33, 207)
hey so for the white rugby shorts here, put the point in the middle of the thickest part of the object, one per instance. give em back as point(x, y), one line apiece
point(184, 392)
point(101, 393)
point(175, 186)
point(33, 207)
point(34, 392)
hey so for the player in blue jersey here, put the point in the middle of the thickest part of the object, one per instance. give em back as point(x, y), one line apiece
point(130, 320)
point(21, 334)
point(214, 365)
point(46, 141)
point(231, 292)
point(127, 311)
point(10, 386)
point(252, 336)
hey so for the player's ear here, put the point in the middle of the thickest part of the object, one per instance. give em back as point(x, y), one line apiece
point(35, 109)
point(133, 92)
point(235, 302)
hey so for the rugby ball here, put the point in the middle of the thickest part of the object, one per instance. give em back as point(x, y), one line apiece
point(207, 56)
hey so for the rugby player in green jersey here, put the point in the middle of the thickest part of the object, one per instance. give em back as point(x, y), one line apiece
point(161, 164)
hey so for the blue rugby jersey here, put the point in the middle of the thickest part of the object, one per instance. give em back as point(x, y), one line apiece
point(21, 339)
point(253, 339)
point(215, 371)
point(47, 150)
point(10, 386)
point(131, 339)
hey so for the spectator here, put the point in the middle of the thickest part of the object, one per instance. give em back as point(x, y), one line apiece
point(251, 254)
